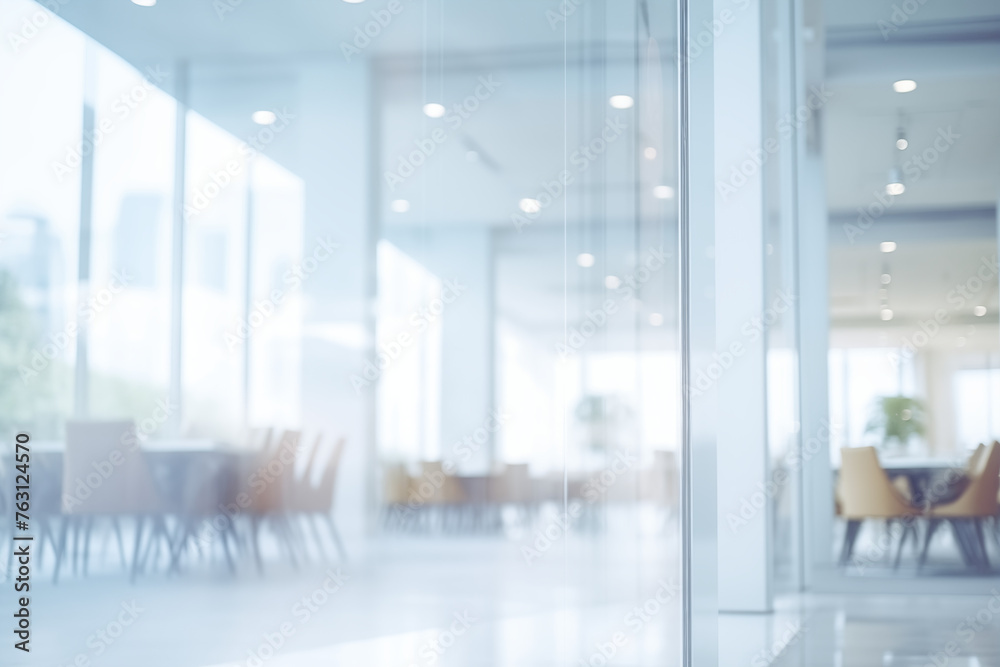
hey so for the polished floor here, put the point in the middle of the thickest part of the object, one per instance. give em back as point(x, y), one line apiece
point(406, 601)
point(891, 631)
point(399, 601)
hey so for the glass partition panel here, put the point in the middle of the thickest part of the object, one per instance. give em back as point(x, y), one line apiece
point(392, 289)
point(913, 300)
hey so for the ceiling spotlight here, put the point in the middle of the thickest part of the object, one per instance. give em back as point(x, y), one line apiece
point(887, 246)
point(655, 319)
point(434, 110)
point(621, 101)
point(895, 186)
point(901, 142)
point(264, 117)
point(612, 282)
point(886, 314)
point(585, 259)
point(905, 86)
point(663, 192)
point(399, 206)
point(144, 3)
point(529, 205)
point(885, 279)
point(649, 153)
point(354, 2)
point(979, 311)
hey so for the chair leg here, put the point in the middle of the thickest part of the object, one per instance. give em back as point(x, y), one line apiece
point(850, 536)
point(87, 530)
point(336, 537)
point(284, 530)
point(311, 521)
point(230, 563)
point(45, 535)
point(965, 547)
point(932, 525)
point(121, 543)
point(907, 529)
point(75, 560)
point(139, 525)
point(978, 522)
point(179, 544)
point(61, 548)
point(255, 542)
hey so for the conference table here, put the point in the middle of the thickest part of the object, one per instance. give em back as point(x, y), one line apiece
point(172, 461)
point(922, 472)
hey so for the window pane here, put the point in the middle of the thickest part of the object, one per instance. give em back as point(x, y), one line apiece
point(129, 335)
point(39, 221)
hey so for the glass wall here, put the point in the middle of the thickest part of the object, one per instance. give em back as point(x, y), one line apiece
point(391, 294)
point(117, 306)
point(910, 118)
point(40, 218)
point(526, 369)
point(128, 344)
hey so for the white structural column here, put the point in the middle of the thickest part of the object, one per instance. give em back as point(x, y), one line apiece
point(740, 361)
point(333, 117)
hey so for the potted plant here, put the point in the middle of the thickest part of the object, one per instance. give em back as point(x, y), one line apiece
point(896, 419)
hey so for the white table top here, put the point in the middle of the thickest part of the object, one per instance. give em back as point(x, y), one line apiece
point(150, 445)
point(923, 462)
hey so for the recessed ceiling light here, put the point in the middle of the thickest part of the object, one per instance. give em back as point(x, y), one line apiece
point(979, 311)
point(649, 152)
point(144, 3)
point(887, 246)
point(886, 314)
point(901, 142)
point(886, 279)
point(585, 259)
point(399, 206)
point(655, 319)
point(434, 110)
point(354, 2)
point(612, 282)
point(905, 86)
point(529, 205)
point(663, 192)
point(621, 101)
point(894, 183)
point(264, 117)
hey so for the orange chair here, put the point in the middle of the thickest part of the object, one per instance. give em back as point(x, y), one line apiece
point(313, 494)
point(967, 512)
point(865, 492)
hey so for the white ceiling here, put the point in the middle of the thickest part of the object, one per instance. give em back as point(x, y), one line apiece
point(952, 50)
point(945, 221)
point(197, 30)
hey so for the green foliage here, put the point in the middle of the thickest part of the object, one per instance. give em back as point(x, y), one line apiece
point(897, 418)
point(27, 398)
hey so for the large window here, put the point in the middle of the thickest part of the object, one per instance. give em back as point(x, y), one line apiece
point(42, 144)
point(88, 262)
point(128, 340)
